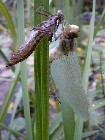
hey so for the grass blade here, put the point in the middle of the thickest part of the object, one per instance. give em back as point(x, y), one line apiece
point(37, 78)
point(79, 121)
point(9, 21)
point(89, 133)
point(5, 106)
point(68, 119)
point(99, 23)
point(21, 35)
point(6, 59)
point(58, 132)
point(45, 83)
point(89, 51)
point(41, 84)
point(55, 123)
point(13, 131)
point(56, 127)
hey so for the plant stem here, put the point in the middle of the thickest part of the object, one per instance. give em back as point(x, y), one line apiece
point(41, 69)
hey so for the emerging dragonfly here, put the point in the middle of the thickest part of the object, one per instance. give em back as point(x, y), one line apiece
point(46, 28)
point(66, 73)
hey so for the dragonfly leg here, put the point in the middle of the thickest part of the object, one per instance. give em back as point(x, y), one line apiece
point(37, 28)
point(37, 10)
point(52, 90)
point(50, 35)
point(53, 93)
point(47, 13)
point(44, 8)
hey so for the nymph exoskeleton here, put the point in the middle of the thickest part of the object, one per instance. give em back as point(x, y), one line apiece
point(46, 29)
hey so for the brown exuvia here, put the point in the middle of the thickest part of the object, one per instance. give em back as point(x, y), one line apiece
point(46, 28)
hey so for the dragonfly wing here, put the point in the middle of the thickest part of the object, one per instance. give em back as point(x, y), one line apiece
point(67, 77)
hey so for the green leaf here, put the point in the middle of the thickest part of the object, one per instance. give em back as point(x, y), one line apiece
point(21, 36)
point(42, 83)
point(79, 121)
point(56, 127)
point(37, 78)
point(9, 95)
point(68, 119)
point(57, 133)
point(6, 59)
point(55, 123)
point(13, 131)
point(9, 21)
point(99, 23)
point(90, 133)
point(18, 97)
point(97, 104)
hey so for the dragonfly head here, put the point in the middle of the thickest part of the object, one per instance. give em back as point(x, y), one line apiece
point(71, 31)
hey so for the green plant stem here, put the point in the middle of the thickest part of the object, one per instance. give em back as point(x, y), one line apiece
point(41, 65)
point(21, 36)
point(37, 78)
point(45, 82)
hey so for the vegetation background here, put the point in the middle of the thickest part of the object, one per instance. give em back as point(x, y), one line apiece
point(26, 115)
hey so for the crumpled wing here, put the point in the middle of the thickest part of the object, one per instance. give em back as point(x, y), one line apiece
point(67, 77)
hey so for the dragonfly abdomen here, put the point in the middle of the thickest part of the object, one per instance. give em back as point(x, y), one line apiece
point(46, 28)
point(27, 48)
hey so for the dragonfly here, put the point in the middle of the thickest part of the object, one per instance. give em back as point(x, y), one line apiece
point(66, 73)
point(46, 29)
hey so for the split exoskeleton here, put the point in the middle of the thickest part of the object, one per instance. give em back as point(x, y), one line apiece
point(46, 29)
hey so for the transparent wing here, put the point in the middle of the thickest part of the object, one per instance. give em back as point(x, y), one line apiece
point(67, 77)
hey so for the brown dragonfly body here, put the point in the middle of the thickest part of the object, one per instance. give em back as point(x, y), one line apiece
point(46, 28)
